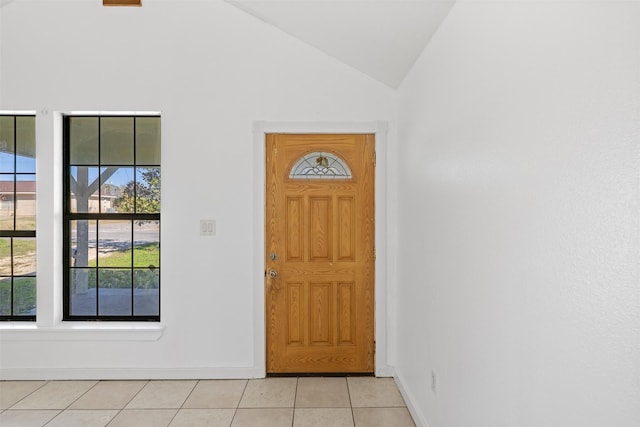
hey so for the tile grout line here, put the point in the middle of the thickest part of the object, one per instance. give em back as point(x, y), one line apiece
point(129, 401)
point(353, 416)
point(183, 402)
point(71, 403)
point(24, 397)
point(295, 401)
point(244, 390)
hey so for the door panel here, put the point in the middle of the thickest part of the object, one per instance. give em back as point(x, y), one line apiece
point(320, 253)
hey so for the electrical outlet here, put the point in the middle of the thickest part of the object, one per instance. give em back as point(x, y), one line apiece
point(434, 383)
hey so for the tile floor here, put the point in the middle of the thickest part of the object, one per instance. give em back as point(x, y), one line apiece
point(272, 402)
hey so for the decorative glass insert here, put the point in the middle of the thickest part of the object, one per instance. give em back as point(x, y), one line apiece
point(320, 165)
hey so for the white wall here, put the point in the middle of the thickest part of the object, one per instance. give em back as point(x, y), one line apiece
point(211, 70)
point(519, 140)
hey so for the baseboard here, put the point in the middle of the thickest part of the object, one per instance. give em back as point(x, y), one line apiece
point(385, 371)
point(129, 373)
point(412, 406)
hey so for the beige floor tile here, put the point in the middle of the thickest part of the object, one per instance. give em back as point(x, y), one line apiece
point(323, 417)
point(265, 417)
point(382, 417)
point(13, 391)
point(369, 392)
point(162, 394)
point(26, 418)
point(83, 418)
point(269, 393)
point(55, 395)
point(203, 417)
point(318, 401)
point(322, 393)
point(109, 395)
point(143, 418)
point(216, 394)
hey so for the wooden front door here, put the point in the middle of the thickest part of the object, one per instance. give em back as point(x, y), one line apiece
point(320, 253)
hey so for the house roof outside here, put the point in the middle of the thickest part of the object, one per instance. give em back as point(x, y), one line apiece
point(22, 187)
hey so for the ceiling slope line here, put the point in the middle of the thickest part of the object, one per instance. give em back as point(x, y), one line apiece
point(379, 38)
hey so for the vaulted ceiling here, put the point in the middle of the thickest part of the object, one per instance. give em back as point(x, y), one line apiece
point(381, 38)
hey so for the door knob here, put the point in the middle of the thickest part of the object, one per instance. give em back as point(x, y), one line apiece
point(273, 274)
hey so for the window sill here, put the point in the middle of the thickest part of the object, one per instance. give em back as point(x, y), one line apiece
point(76, 331)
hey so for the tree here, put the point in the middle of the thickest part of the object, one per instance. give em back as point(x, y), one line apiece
point(146, 194)
point(143, 195)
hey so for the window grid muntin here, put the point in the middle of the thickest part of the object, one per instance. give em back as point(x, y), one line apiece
point(89, 216)
point(14, 233)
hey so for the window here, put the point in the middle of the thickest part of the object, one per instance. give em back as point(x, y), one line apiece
point(112, 218)
point(319, 165)
point(17, 217)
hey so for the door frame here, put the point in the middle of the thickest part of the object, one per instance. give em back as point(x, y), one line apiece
point(380, 130)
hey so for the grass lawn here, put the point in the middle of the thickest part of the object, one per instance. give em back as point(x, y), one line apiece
point(143, 256)
point(24, 288)
point(24, 295)
point(21, 247)
point(114, 277)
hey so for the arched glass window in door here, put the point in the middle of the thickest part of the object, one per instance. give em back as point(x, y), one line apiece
point(320, 165)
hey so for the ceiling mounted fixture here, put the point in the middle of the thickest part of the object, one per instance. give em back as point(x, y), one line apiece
point(122, 2)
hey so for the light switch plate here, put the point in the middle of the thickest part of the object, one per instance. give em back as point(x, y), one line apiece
point(207, 227)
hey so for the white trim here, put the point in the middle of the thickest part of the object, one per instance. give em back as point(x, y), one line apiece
point(49, 214)
point(17, 112)
point(380, 129)
point(386, 371)
point(129, 373)
point(85, 331)
point(49, 324)
point(414, 409)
